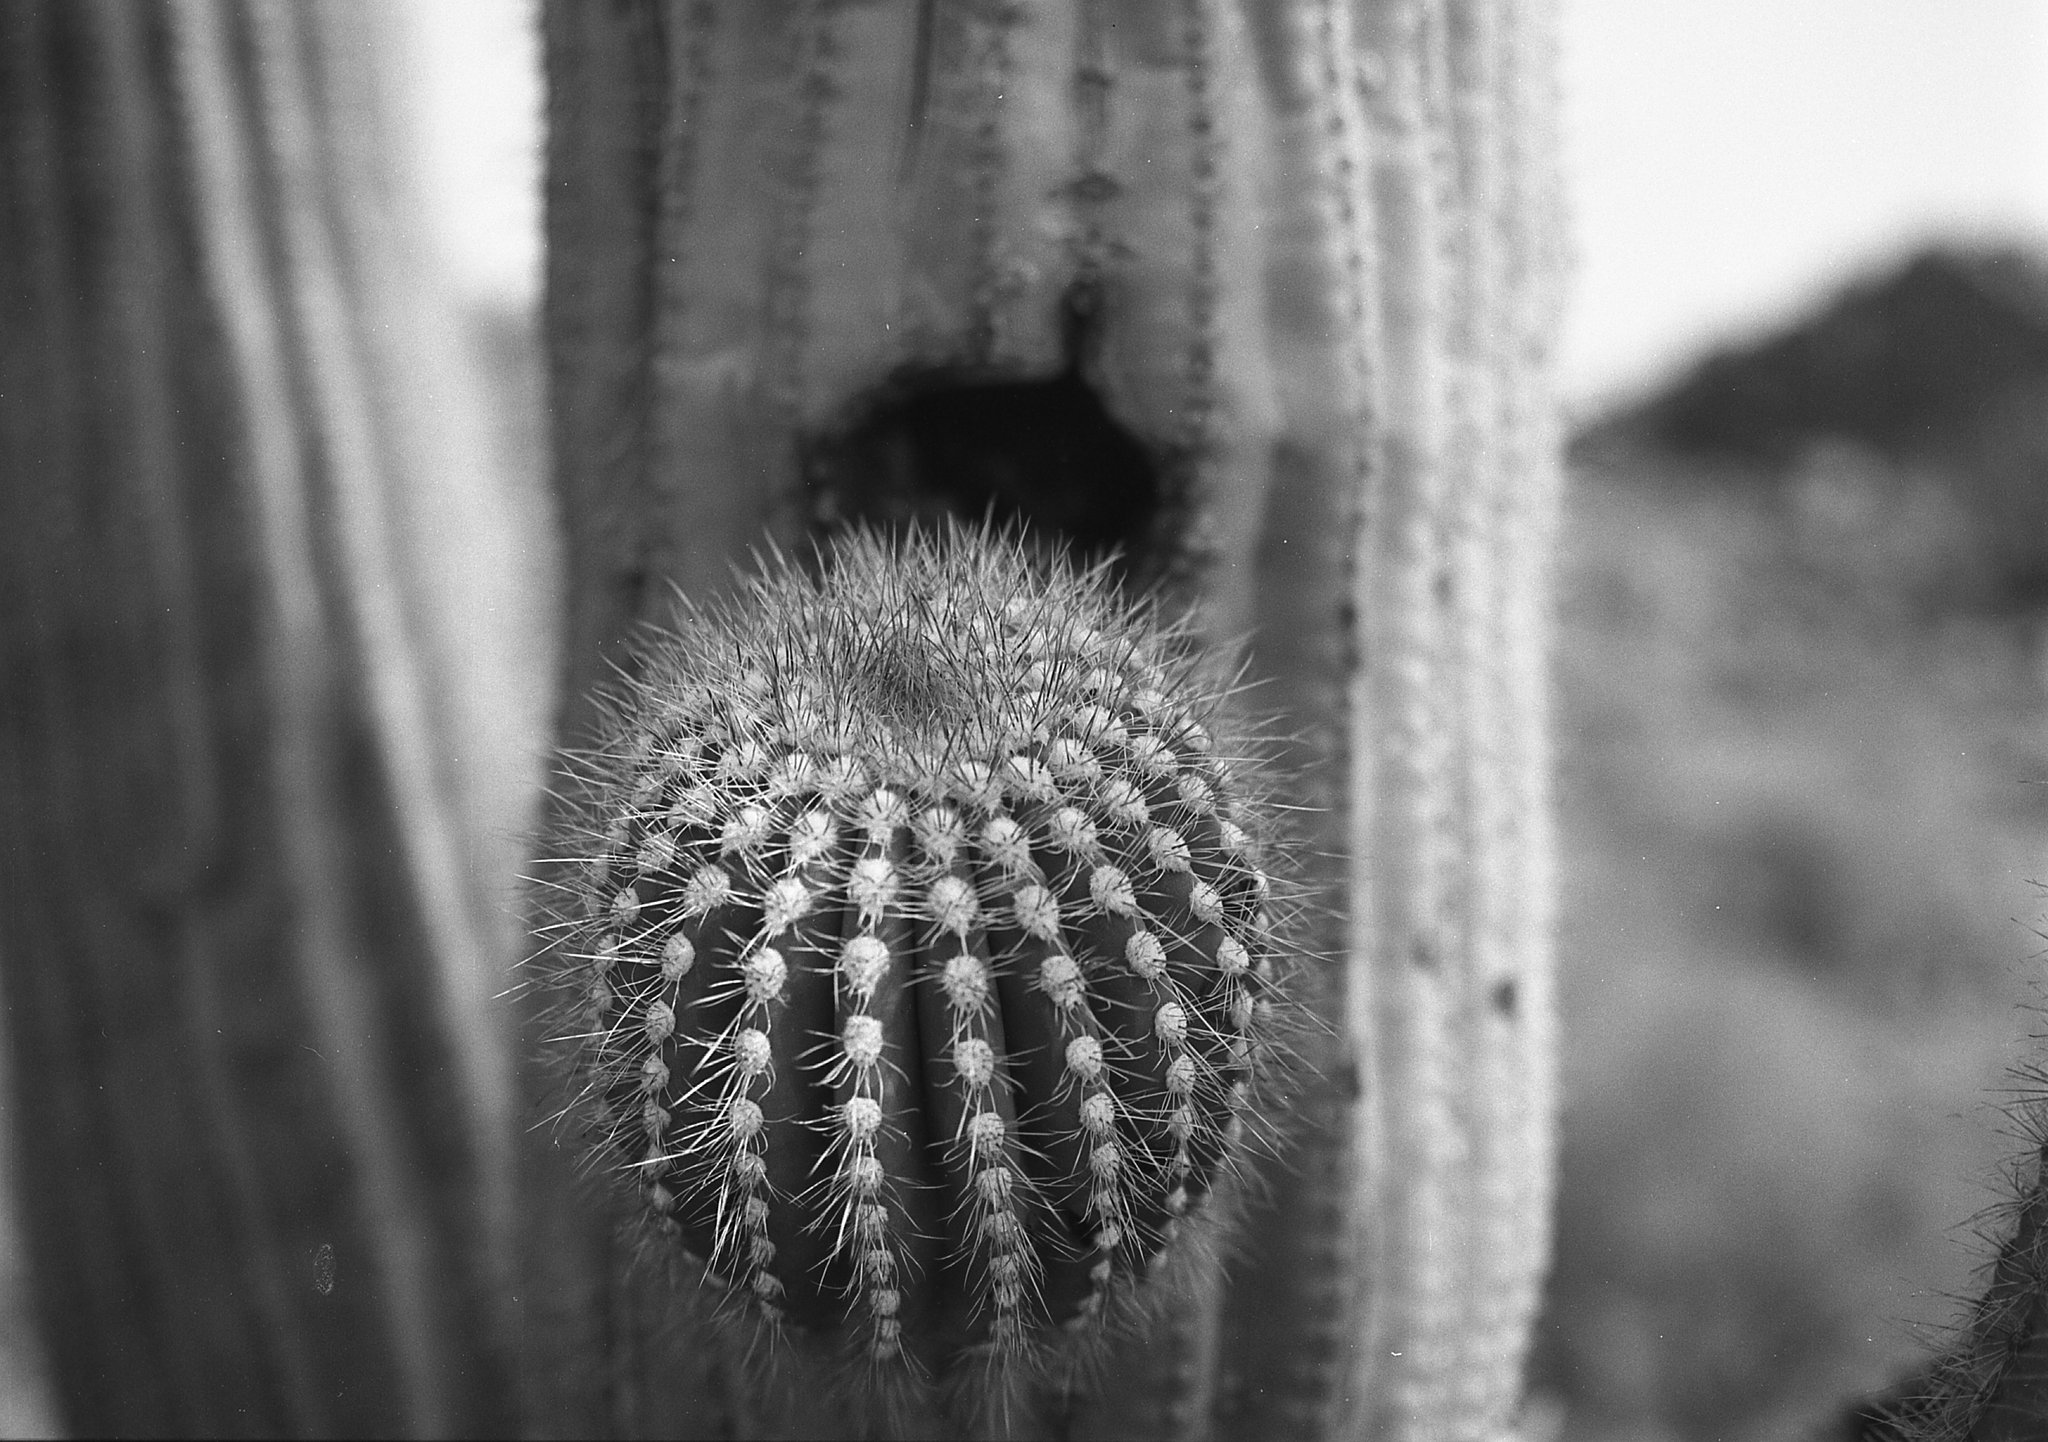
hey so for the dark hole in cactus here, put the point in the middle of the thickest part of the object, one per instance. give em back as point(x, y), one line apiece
point(1504, 998)
point(1044, 453)
point(1041, 453)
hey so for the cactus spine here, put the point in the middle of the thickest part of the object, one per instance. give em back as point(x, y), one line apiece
point(922, 960)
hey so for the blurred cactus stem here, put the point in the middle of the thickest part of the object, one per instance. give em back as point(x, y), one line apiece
point(261, 752)
point(1261, 296)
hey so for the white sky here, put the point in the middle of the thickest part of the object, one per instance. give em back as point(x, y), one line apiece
point(1727, 158)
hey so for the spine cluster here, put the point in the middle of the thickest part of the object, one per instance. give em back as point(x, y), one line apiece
point(922, 954)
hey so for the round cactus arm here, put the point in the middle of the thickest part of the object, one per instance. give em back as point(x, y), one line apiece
point(919, 971)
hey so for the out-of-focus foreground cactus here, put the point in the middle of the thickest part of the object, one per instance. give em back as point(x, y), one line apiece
point(257, 722)
point(1261, 294)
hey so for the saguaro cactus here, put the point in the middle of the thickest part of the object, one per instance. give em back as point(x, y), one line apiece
point(1278, 282)
point(255, 731)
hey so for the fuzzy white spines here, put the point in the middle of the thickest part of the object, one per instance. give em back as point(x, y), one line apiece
point(919, 944)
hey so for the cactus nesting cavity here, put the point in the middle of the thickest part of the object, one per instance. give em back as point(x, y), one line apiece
point(920, 952)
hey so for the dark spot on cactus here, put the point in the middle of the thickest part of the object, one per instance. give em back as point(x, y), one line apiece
point(1505, 998)
point(1095, 188)
point(632, 583)
point(1045, 453)
point(1041, 455)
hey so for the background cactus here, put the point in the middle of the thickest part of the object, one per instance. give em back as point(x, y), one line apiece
point(260, 747)
point(1301, 260)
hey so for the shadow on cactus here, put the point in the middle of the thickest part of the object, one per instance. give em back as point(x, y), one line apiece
point(920, 963)
point(1043, 453)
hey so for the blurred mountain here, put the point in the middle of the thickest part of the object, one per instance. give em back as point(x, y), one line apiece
point(1898, 362)
point(1903, 423)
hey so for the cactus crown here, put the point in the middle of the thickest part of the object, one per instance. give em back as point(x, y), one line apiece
point(920, 948)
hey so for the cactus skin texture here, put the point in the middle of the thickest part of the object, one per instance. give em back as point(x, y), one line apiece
point(266, 752)
point(921, 961)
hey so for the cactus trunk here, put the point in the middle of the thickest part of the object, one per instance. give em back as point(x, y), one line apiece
point(1284, 278)
point(250, 932)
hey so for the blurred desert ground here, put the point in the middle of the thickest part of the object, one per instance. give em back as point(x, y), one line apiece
point(1803, 681)
point(1803, 773)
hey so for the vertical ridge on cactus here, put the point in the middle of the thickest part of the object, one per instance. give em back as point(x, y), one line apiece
point(255, 794)
point(920, 959)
